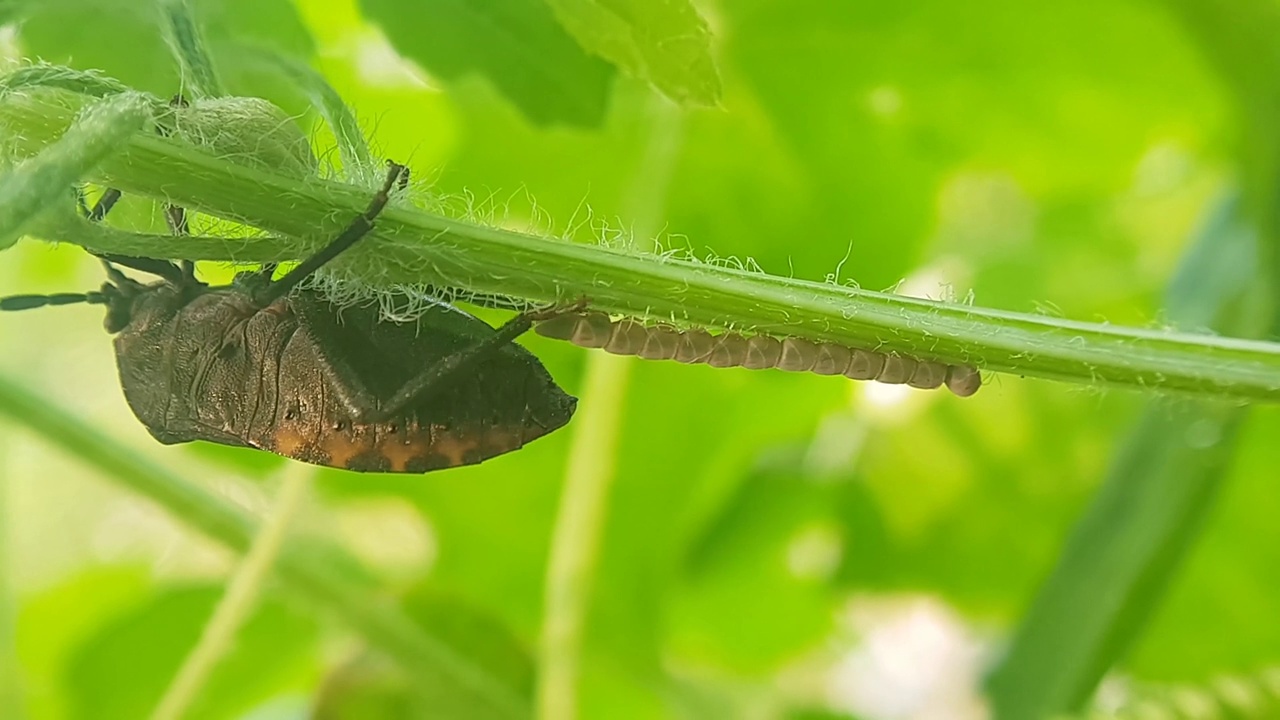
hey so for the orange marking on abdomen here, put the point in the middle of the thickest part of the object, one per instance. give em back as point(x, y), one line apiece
point(287, 441)
point(342, 447)
point(377, 448)
point(400, 448)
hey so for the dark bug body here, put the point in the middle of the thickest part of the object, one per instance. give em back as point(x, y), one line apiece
point(265, 364)
point(280, 378)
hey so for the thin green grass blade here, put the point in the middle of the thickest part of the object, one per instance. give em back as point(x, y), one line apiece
point(1123, 553)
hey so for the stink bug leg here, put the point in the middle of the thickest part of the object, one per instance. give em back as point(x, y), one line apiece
point(435, 377)
point(349, 236)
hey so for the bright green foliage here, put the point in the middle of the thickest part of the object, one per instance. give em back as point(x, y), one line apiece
point(773, 545)
point(515, 44)
point(666, 43)
point(121, 669)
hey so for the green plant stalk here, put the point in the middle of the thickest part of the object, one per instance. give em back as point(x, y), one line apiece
point(575, 544)
point(44, 180)
point(241, 597)
point(415, 246)
point(187, 46)
point(311, 575)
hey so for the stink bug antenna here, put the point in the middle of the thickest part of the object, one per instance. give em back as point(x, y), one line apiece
point(29, 302)
point(353, 232)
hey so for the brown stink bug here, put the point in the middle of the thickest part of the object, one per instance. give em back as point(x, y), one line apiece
point(264, 364)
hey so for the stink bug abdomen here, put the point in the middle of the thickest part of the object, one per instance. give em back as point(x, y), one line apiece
point(291, 378)
point(494, 406)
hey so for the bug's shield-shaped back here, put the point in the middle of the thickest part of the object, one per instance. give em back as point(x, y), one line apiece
point(491, 406)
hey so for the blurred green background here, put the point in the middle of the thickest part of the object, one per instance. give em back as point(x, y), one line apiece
point(775, 546)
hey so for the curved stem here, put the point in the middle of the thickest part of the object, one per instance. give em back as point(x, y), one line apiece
point(241, 597)
point(575, 544)
point(11, 700)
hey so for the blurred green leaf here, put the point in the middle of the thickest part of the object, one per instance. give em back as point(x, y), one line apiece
point(244, 461)
point(819, 714)
point(126, 40)
point(474, 634)
point(366, 688)
point(764, 562)
point(1223, 600)
point(122, 670)
point(322, 576)
point(883, 105)
point(666, 43)
point(53, 625)
point(516, 45)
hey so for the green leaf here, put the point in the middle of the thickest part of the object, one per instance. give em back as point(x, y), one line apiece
point(741, 572)
point(666, 43)
point(46, 180)
point(55, 622)
point(367, 688)
point(516, 45)
point(126, 40)
point(122, 670)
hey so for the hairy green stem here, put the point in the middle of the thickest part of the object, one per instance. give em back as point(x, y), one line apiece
point(413, 246)
point(312, 575)
point(187, 45)
point(44, 180)
point(239, 600)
